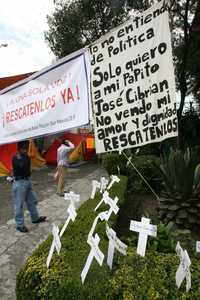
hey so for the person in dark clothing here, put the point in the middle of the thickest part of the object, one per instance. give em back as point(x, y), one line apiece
point(22, 188)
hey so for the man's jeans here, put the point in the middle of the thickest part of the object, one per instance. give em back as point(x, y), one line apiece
point(22, 192)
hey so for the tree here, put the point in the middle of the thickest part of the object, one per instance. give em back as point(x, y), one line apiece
point(186, 45)
point(78, 23)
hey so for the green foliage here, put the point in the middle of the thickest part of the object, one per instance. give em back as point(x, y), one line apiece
point(75, 24)
point(164, 242)
point(188, 240)
point(151, 278)
point(133, 277)
point(184, 17)
point(181, 173)
point(111, 161)
point(189, 126)
point(62, 280)
point(147, 165)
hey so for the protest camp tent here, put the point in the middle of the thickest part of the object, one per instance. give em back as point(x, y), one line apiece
point(37, 161)
point(8, 151)
point(84, 147)
point(7, 81)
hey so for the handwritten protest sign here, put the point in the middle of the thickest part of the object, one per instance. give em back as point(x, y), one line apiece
point(133, 83)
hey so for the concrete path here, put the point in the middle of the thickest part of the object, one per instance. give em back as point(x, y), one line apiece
point(15, 247)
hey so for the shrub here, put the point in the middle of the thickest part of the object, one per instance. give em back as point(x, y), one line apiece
point(181, 173)
point(62, 280)
point(133, 277)
point(111, 161)
point(146, 164)
point(164, 242)
point(151, 278)
point(181, 176)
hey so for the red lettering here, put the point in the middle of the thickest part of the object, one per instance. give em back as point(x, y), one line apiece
point(7, 117)
point(63, 93)
point(77, 92)
point(12, 117)
point(69, 95)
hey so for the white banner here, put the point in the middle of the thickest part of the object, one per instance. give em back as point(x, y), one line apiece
point(133, 84)
point(53, 100)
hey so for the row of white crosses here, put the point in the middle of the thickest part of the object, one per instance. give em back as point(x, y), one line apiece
point(144, 228)
point(93, 241)
point(71, 210)
point(102, 185)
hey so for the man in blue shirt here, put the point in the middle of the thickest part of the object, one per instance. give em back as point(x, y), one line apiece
point(22, 188)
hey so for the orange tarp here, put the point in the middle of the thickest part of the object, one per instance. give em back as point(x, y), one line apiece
point(8, 151)
point(3, 170)
point(6, 154)
point(37, 161)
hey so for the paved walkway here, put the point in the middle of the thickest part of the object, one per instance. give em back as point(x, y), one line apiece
point(15, 247)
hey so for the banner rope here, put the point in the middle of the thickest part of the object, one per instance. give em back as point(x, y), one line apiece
point(138, 172)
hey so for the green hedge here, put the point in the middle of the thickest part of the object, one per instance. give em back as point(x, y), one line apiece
point(62, 280)
point(152, 278)
point(133, 277)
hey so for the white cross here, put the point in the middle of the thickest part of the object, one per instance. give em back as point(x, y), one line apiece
point(113, 207)
point(56, 243)
point(198, 246)
point(72, 216)
point(95, 185)
point(183, 269)
point(95, 252)
point(112, 203)
point(72, 197)
point(114, 242)
point(102, 216)
point(144, 228)
point(104, 199)
point(114, 179)
point(104, 183)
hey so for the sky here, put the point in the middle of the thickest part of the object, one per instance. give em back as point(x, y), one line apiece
point(22, 26)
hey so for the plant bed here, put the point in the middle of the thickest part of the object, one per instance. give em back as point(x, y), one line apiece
point(152, 278)
point(62, 279)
